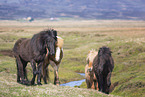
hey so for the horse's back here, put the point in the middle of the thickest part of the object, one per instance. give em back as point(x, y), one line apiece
point(104, 56)
point(18, 44)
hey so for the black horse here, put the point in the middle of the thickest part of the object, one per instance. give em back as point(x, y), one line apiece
point(103, 65)
point(34, 51)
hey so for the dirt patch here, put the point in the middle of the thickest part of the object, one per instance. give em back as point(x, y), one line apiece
point(7, 53)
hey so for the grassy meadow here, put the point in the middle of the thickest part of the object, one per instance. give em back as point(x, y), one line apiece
point(126, 39)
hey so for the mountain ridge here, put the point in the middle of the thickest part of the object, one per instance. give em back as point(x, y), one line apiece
point(91, 9)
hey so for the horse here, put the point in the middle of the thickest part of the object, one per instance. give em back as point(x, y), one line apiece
point(89, 73)
point(103, 65)
point(34, 51)
point(54, 61)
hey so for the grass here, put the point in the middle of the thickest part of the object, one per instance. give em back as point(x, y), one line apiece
point(124, 37)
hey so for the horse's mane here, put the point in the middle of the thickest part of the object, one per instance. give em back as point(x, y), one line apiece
point(50, 31)
point(38, 40)
point(60, 42)
point(91, 55)
point(104, 52)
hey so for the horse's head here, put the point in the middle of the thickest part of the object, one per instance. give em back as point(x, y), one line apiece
point(90, 58)
point(59, 45)
point(50, 46)
point(50, 36)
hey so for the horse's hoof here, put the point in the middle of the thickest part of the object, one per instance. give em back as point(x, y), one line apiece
point(28, 83)
point(25, 82)
point(57, 83)
point(39, 83)
point(18, 81)
point(32, 83)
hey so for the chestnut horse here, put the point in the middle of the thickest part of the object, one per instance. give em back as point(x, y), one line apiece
point(54, 62)
point(103, 65)
point(34, 51)
point(89, 73)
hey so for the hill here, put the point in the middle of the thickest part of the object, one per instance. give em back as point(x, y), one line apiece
point(90, 9)
point(10, 88)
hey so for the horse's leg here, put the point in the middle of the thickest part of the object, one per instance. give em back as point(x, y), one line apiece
point(108, 82)
point(56, 80)
point(88, 83)
point(93, 85)
point(24, 70)
point(97, 88)
point(100, 82)
point(20, 72)
point(108, 79)
point(92, 82)
point(39, 73)
point(95, 82)
point(45, 72)
point(55, 67)
point(33, 65)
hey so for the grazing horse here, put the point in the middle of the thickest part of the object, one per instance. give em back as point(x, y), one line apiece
point(34, 51)
point(54, 61)
point(103, 65)
point(89, 73)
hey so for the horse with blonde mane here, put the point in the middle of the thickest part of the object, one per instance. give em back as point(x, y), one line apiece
point(91, 80)
point(54, 62)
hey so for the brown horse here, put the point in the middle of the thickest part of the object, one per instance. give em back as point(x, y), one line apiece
point(103, 65)
point(34, 51)
point(89, 73)
point(54, 62)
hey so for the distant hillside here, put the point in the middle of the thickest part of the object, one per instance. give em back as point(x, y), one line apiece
point(93, 9)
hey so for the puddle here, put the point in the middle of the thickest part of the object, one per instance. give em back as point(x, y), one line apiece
point(74, 83)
